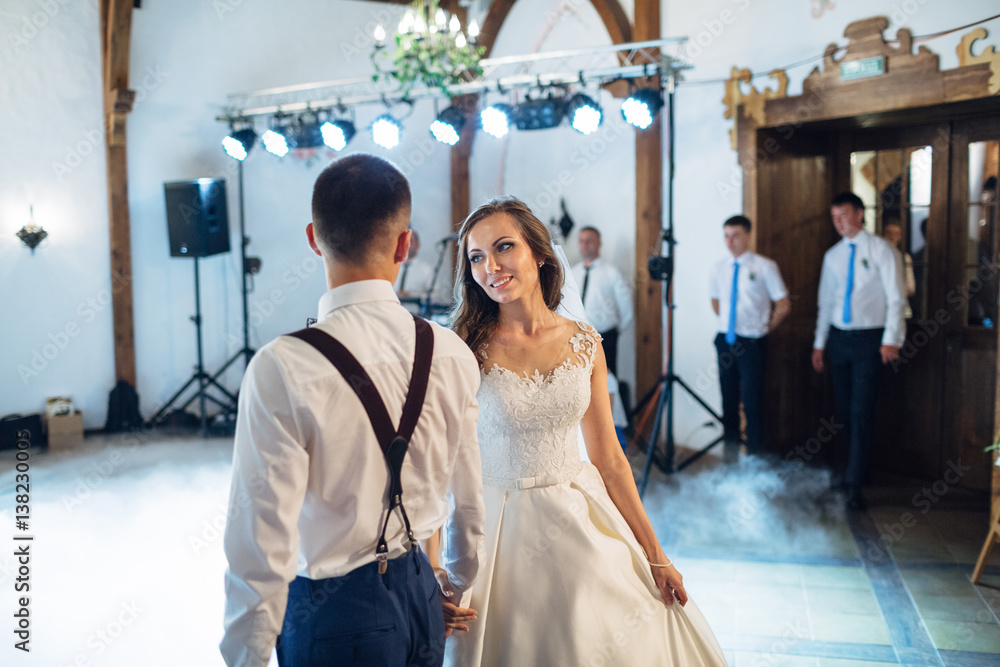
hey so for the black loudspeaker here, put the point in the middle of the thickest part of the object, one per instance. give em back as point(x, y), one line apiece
point(197, 217)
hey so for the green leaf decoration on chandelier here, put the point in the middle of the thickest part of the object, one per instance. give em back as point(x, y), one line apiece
point(430, 49)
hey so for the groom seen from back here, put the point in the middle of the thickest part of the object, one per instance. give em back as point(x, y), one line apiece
point(312, 489)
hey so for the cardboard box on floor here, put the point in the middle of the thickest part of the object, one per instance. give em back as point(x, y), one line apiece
point(65, 431)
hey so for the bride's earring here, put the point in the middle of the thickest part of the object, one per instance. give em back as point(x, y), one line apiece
point(540, 264)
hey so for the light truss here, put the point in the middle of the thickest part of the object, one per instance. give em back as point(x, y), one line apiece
point(659, 58)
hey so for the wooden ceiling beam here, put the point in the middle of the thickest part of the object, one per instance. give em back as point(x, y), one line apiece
point(648, 224)
point(116, 33)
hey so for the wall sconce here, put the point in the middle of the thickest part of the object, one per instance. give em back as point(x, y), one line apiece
point(31, 234)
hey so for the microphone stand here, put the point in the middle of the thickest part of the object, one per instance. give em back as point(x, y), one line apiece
point(425, 302)
point(665, 385)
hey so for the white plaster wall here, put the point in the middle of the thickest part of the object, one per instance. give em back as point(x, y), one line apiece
point(55, 326)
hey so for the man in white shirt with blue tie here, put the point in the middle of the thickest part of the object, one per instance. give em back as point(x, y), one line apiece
point(750, 299)
point(312, 479)
point(861, 326)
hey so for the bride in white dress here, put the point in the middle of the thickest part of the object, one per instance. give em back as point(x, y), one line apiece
point(574, 574)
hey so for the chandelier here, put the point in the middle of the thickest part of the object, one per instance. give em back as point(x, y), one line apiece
point(431, 48)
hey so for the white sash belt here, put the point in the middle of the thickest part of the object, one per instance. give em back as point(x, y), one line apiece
point(533, 482)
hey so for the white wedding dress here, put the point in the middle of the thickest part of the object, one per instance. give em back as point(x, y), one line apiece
point(565, 582)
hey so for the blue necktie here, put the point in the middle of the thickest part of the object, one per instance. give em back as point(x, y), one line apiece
point(850, 286)
point(731, 331)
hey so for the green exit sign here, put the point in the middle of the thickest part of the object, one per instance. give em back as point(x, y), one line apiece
point(862, 69)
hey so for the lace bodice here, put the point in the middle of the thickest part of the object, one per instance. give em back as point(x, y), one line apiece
point(528, 423)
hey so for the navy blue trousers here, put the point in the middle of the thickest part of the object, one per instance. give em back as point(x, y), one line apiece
point(364, 618)
point(741, 376)
point(856, 364)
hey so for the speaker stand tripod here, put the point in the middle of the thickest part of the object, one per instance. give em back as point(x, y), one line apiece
point(203, 379)
point(247, 268)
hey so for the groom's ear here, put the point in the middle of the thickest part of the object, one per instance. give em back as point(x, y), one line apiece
point(311, 235)
point(402, 247)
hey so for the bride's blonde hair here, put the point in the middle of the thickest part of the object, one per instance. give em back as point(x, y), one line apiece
point(475, 315)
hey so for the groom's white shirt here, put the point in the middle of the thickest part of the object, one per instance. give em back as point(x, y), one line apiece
point(309, 480)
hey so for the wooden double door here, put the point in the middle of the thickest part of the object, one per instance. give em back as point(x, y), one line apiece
point(932, 185)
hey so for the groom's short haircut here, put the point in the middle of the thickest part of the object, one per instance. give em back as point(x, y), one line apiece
point(358, 201)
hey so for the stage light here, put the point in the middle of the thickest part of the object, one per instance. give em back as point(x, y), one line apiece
point(496, 119)
point(539, 114)
point(337, 133)
point(278, 138)
point(584, 113)
point(641, 106)
point(238, 143)
point(275, 143)
point(385, 131)
point(448, 125)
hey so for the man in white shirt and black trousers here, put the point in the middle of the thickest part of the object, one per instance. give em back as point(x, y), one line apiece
point(861, 325)
point(605, 294)
point(750, 299)
point(311, 485)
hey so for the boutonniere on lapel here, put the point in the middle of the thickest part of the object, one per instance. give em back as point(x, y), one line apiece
point(752, 276)
point(864, 263)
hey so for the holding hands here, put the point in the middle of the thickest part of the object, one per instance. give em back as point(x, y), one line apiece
point(455, 617)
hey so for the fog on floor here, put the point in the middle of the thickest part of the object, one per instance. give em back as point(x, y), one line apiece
point(127, 560)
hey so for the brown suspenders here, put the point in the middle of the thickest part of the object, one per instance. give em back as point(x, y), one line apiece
point(394, 442)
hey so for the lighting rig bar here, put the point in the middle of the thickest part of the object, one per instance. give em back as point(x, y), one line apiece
point(633, 60)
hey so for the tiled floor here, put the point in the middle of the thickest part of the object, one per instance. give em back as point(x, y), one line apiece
point(786, 577)
point(128, 561)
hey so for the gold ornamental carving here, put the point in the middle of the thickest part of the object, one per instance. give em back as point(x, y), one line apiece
point(989, 55)
point(753, 100)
